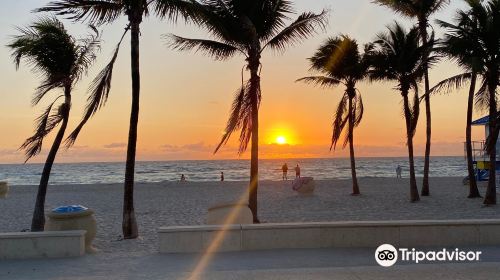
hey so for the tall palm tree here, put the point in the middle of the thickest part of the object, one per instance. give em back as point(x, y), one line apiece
point(248, 28)
point(400, 56)
point(421, 10)
point(107, 11)
point(341, 62)
point(61, 60)
point(477, 38)
point(460, 45)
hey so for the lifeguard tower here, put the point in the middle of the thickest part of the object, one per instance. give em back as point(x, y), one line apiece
point(480, 156)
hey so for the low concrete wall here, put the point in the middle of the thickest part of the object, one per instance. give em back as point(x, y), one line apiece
point(192, 239)
point(333, 234)
point(49, 244)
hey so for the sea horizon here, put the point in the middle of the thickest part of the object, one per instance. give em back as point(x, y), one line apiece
point(225, 159)
point(234, 170)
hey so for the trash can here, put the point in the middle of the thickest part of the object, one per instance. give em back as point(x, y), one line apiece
point(73, 217)
point(4, 189)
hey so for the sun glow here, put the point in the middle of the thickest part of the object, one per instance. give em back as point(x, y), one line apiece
point(281, 140)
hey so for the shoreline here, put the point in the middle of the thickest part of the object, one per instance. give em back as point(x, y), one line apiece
point(178, 182)
point(186, 203)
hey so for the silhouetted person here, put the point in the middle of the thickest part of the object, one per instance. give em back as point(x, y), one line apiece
point(398, 171)
point(183, 178)
point(297, 171)
point(222, 176)
point(285, 171)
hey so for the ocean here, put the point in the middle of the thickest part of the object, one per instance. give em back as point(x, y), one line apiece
point(234, 170)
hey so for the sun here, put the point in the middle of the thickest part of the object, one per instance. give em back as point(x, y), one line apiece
point(281, 140)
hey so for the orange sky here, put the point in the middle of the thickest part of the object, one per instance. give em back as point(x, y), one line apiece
point(186, 97)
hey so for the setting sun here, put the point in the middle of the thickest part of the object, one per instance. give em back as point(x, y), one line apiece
point(281, 140)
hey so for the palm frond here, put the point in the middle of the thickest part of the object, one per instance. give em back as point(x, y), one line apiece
point(414, 113)
point(94, 11)
point(98, 93)
point(217, 50)
point(240, 118)
point(359, 109)
point(49, 50)
point(189, 10)
point(45, 123)
point(42, 90)
point(340, 119)
point(452, 83)
point(305, 25)
point(321, 81)
point(482, 98)
point(86, 53)
point(412, 8)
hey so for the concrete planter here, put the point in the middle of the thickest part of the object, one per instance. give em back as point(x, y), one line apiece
point(74, 218)
point(232, 213)
point(4, 189)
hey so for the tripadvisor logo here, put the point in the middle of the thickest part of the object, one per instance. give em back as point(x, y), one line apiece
point(387, 255)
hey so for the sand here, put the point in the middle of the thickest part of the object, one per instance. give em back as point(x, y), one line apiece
point(176, 203)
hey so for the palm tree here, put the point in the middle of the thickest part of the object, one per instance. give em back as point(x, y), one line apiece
point(341, 63)
point(248, 27)
point(399, 56)
point(477, 46)
point(107, 11)
point(421, 10)
point(459, 45)
point(61, 60)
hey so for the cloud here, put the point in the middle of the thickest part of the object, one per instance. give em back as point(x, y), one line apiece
point(196, 147)
point(202, 151)
point(115, 145)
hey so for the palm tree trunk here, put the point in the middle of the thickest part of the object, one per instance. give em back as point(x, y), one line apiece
point(409, 135)
point(428, 129)
point(38, 221)
point(355, 186)
point(473, 190)
point(129, 224)
point(491, 195)
point(254, 161)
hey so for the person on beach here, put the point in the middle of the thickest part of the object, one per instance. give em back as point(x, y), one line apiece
point(222, 176)
point(297, 171)
point(285, 171)
point(183, 178)
point(398, 171)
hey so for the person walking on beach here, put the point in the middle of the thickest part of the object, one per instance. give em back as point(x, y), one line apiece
point(285, 171)
point(398, 171)
point(222, 176)
point(297, 171)
point(183, 178)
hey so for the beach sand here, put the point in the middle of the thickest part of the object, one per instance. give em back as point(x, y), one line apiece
point(176, 203)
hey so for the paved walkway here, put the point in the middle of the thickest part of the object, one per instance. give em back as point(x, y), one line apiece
point(352, 264)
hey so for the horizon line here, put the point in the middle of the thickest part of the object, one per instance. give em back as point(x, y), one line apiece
point(233, 159)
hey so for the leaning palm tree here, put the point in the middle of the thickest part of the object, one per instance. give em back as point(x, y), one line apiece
point(248, 28)
point(61, 60)
point(399, 56)
point(420, 10)
point(341, 62)
point(459, 44)
point(476, 39)
point(108, 11)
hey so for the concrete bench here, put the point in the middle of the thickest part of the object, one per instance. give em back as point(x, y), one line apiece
point(48, 244)
point(331, 234)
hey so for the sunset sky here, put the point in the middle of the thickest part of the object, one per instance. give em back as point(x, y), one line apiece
point(186, 97)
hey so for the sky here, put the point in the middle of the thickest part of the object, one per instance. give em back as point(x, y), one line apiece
point(186, 97)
